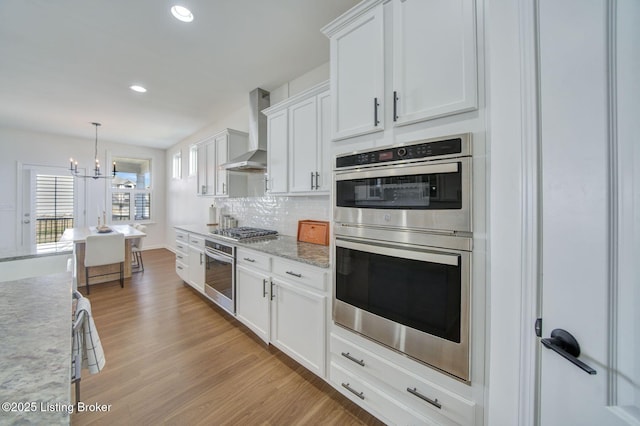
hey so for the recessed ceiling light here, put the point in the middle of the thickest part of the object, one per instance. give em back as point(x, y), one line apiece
point(182, 13)
point(137, 88)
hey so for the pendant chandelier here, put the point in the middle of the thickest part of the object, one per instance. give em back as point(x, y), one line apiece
point(97, 174)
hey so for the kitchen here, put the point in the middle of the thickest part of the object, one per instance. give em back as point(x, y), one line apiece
point(507, 200)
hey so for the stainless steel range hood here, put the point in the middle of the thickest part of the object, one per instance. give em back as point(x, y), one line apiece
point(254, 161)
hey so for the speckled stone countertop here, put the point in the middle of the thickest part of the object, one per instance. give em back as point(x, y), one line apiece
point(35, 354)
point(283, 246)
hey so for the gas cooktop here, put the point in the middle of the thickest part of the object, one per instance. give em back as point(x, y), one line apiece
point(245, 233)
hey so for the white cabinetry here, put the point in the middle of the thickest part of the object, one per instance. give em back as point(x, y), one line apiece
point(213, 180)
point(393, 393)
point(190, 261)
point(196, 262)
point(298, 143)
point(432, 61)
point(284, 303)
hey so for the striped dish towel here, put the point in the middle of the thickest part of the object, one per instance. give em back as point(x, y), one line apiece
point(86, 342)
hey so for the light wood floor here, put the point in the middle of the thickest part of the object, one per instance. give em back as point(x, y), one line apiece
point(175, 358)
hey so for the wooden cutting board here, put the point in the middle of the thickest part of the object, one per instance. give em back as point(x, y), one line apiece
point(313, 231)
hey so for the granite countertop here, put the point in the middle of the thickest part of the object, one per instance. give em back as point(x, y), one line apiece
point(35, 355)
point(283, 246)
point(41, 250)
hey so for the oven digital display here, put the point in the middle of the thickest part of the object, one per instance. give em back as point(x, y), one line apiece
point(385, 156)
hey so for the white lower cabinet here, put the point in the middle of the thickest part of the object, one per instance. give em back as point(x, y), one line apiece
point(253, 300)
point(281, 302)
point(190, 261)
point(421, 401)
point(196, 268)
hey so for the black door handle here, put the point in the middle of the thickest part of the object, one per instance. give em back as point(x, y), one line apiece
point(563, 343)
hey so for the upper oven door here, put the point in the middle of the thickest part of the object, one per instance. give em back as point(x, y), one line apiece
point(434, 195)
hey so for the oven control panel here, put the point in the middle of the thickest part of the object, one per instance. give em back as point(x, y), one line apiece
point(405, 152)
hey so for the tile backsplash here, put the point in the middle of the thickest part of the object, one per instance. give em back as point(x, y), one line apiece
point(278, 213)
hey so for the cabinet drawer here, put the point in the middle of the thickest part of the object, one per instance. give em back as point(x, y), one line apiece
point(182, 258)
point(253, 259)
point(373, 399)
point(182, 247)
point(182, 270)
point(196, 241)
point(410, 389)
point(300, 273)
point(182, 236)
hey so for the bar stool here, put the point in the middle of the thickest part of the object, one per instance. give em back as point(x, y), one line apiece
point(136, 249)
point(104, 249)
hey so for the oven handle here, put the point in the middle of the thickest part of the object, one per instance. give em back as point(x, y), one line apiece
point(420, 255)
point(213, 255)
point(394, 170)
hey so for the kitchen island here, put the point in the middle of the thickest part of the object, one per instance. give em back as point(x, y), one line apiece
point(35, 355)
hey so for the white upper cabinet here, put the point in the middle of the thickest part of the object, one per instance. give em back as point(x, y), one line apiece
point(431, 59)
point(434, 59)
point(298, 137)
point(357, 77)
point(277, 137)
point(213, 179)
point(303, 134)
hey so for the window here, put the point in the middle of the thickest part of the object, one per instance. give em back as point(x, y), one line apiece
point(131, 190)
point(193, 160)
point(54, 207)
point(177, 165)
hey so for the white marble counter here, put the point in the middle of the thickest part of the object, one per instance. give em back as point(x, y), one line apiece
point(35, 354)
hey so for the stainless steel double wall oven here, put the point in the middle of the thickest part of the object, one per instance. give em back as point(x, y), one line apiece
point(403, 241)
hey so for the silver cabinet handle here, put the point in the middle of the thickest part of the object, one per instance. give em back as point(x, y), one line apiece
point(180, 267)
point(317, 180)
point(433, 402)
point(375, 112)
point(266, 184)
point(312, 181)
point(264, 288)
point(224, 188)
point(349, 357)
point(180, 257)
point(248, 259)
point(272, 292)
point(201, 258)
point(353, 391)
point(180, 247)
point(294, 274)
point(194, 241)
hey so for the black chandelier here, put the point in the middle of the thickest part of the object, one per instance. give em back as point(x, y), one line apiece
point(97, 174)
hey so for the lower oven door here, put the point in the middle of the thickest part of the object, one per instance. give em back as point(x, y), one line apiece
point(412, 299)
point(220, 280)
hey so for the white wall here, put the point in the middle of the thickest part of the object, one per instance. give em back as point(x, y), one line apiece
point(282, 213)
point(41, 149)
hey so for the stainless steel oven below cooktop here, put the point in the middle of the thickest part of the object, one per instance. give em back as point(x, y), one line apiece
point(245, 233)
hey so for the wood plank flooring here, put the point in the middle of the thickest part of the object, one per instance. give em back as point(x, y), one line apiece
point(174, 358)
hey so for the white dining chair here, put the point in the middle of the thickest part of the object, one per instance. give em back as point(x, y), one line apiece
point(104, 249)
point(136, 249)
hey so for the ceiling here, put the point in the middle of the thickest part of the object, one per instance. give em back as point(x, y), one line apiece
point(67, 63)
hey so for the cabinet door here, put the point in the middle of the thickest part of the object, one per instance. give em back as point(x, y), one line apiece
point(434, 59)
point(324, 166)
point(202, 170)
point(252, 300)
point(298, 324)
point(211, 168)
point(277, 130)
point(303, 135)
point(357, 76)
point(222, 149)
point(196, 269)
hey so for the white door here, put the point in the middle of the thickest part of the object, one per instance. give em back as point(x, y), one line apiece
point(590, 209)
point(27, 219)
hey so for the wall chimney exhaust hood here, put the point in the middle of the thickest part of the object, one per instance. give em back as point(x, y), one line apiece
point(254, 161)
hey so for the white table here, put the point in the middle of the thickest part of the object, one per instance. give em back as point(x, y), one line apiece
point(79, 236)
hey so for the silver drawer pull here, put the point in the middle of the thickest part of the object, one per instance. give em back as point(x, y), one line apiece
point(179, 257)
point(433, 402)
point(248, 259)
point(349, 357)
point(180, 267)
point(294, 274)
point(180, 247)
point(194, 241)
point(353, 391)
